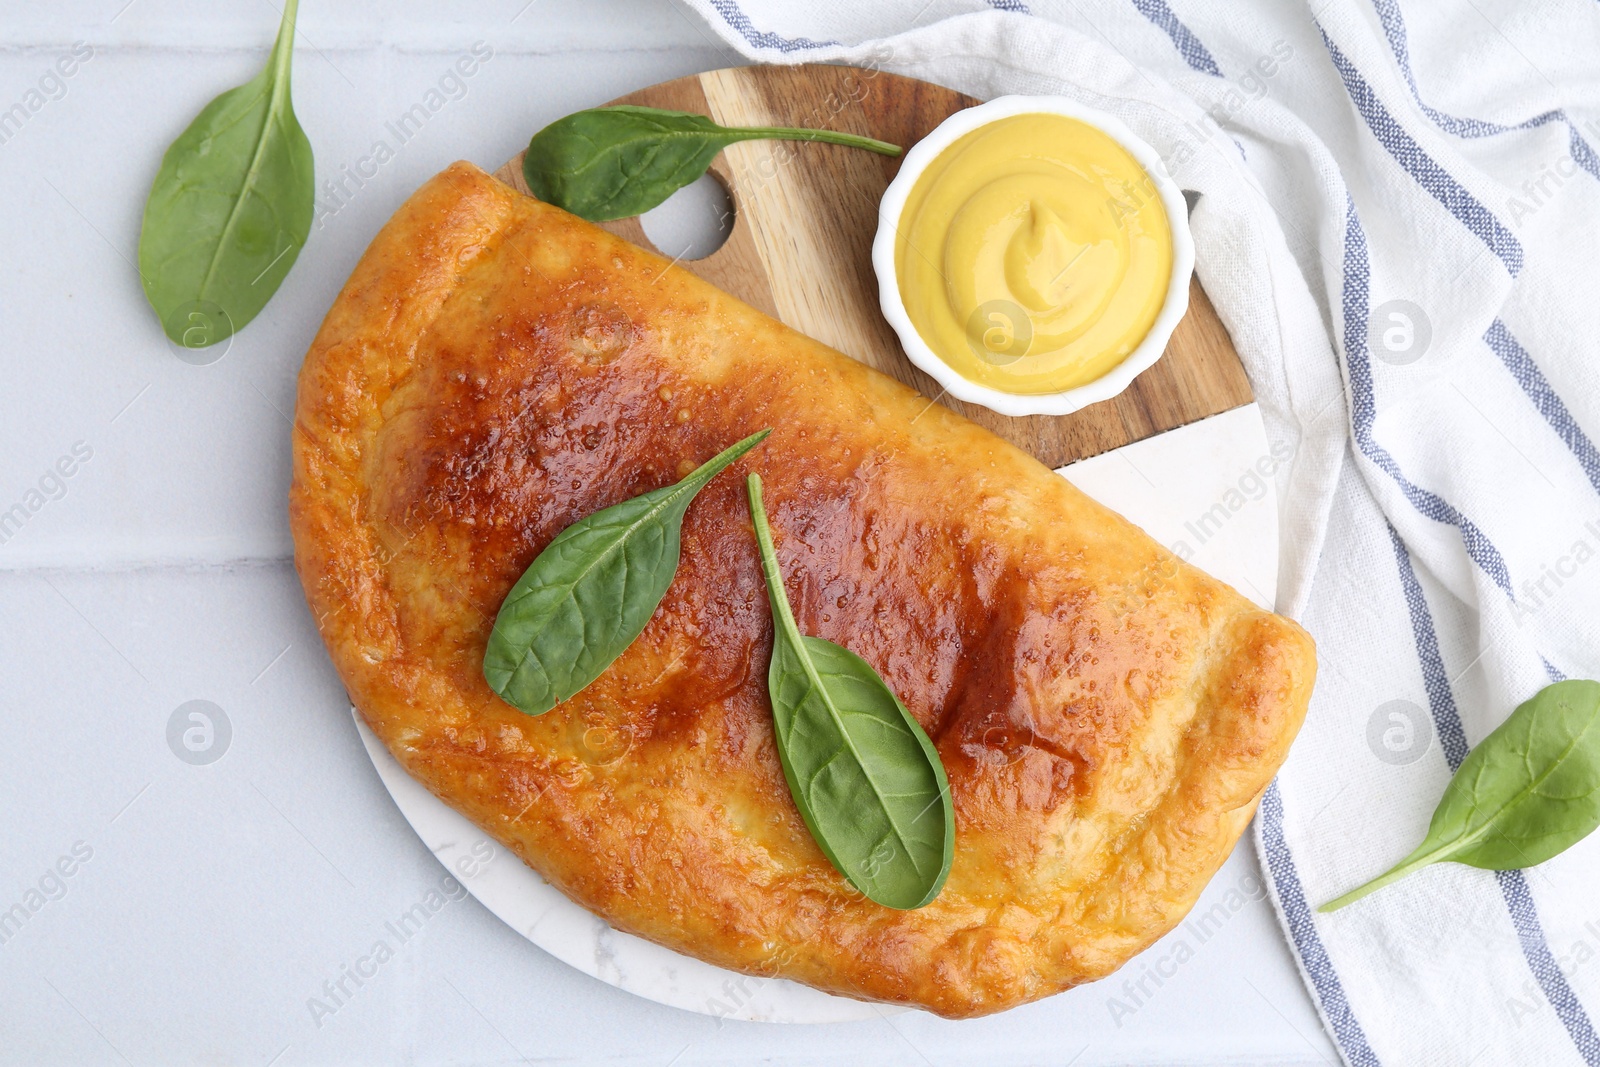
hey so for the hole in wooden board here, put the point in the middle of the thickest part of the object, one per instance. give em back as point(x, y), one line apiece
point(694, 222)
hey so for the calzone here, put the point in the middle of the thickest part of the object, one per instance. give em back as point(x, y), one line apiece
point(1108, 715)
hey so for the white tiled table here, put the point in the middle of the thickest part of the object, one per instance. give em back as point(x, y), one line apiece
point(217, 899)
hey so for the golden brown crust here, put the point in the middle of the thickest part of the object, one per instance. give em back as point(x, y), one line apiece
point(1108, 716)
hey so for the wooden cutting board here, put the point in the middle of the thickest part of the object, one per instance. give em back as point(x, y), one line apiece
point(801, 246)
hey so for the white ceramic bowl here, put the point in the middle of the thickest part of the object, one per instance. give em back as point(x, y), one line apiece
point(1114, 380)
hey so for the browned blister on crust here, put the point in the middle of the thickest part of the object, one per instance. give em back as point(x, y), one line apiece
point(497, 369)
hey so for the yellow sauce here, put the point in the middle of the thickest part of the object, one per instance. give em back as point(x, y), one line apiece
point(1033, 254)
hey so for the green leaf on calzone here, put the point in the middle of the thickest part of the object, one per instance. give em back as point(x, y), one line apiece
point(867, 780)
point(591, 592)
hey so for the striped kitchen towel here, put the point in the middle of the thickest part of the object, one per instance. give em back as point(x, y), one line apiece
point(1400, 225)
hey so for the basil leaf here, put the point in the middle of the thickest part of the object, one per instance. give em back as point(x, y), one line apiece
point(589, 594)
point(866, 779)
point(1529, 791)
point(230, 207)
point(614, 162)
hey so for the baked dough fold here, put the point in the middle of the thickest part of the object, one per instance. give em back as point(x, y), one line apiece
point(1109, 716)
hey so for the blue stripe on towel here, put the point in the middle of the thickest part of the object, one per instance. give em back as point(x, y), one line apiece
point(1421, 166)
point(1452, 739)
point(1319, 968)
point(1542, 962)
point(1394, 27)
point(1533, 382)
point(735, 17)
point(1197, 55)
point(1513, 884)
point(1363, 407)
